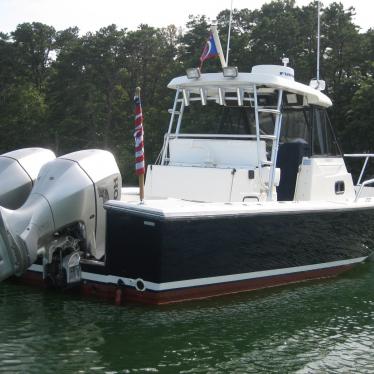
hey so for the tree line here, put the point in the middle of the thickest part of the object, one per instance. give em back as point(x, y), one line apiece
point(66, 91)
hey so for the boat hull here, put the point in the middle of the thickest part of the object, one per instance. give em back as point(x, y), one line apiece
point(96, 286)
point(162, 260)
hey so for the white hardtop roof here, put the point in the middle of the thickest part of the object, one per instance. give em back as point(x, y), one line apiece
point(246, 80)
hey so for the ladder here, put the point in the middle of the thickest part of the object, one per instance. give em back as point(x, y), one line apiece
point(176, 114)
point(275, 139)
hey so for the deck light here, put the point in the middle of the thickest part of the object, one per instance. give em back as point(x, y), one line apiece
point(193, 73)
point(230, 71)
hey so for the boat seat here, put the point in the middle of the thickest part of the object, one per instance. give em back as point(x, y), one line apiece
point(188, 182)
point(205, 184)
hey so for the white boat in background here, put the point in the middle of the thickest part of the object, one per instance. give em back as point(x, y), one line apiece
point(261, 196)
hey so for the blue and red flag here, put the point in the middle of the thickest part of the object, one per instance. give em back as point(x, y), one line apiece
point(210, 50)
point(139, 137)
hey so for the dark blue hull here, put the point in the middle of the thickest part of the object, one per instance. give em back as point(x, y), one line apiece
point(154, 259)
point(178, 249)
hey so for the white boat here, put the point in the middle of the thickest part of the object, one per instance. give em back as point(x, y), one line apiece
point(261, 196)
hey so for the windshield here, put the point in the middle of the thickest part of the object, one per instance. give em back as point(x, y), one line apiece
point(302, 124)
point(232, 119)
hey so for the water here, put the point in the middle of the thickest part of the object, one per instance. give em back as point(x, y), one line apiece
point(325, 326)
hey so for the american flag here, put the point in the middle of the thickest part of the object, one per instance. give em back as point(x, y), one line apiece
point(138, 135)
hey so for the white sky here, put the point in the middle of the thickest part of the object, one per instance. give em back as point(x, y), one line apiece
point(90, 15)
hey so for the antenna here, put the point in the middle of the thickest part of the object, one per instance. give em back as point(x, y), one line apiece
point(285, 60)
point(318, 37)
point(317, 83)
point(229, 36)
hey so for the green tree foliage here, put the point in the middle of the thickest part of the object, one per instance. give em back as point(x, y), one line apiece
point(359, 128)
point(68, 91)
point(34, 43)
point(93, 83)
point(25, 65)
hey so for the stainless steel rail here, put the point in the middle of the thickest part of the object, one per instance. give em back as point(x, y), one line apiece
point(367, 156)
point(220, 136)
point(369, 181)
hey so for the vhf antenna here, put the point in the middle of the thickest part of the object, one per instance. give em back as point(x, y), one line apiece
point(317, 83)
point(318, 37)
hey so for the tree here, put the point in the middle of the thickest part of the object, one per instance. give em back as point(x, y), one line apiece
point(69, 91)
point(359, 129)
point(34, 43)
point(24, 61)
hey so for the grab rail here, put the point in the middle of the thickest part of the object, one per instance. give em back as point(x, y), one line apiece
point(361, 155)
point(220, 136)
point(367, 156)
point(369, 181)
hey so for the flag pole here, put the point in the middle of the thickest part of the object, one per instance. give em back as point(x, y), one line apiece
point(229, 36)
point(140, 173)
point(213, 29)
point(141, 187)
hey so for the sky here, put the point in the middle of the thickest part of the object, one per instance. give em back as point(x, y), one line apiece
point(90, 15)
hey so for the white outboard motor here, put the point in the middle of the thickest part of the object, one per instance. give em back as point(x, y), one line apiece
point(18, 171)
point(63, 218)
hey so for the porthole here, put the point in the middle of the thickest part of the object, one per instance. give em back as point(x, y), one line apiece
point(339, 187)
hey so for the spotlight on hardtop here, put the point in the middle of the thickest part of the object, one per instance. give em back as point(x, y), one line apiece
point(230, 71)
point(193, 73)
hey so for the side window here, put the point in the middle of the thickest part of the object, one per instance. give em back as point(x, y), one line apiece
point(324, 140)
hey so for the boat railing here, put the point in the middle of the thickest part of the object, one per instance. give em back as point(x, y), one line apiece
point(249, 94)
point(367, 157)
point(220, 136)
point(362, 185)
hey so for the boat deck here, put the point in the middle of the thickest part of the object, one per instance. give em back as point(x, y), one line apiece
point(173, 208)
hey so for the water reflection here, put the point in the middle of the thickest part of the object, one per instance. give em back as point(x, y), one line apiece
point(325, 326)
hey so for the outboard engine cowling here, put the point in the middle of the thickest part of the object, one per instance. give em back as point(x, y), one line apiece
point(63, 218)
point(18, 171)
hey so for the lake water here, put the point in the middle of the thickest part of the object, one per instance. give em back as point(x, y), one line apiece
point(324, 326)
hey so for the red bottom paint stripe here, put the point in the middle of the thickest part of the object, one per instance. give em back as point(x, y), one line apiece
point(203, 292)
point(121, 295)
